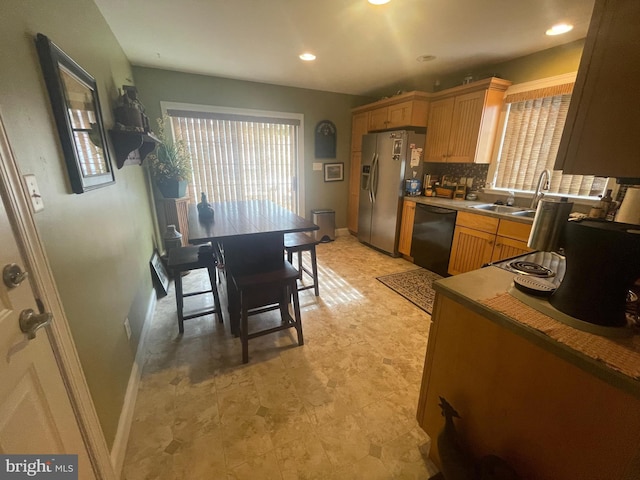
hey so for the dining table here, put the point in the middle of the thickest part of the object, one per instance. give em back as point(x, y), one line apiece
point(248, 236)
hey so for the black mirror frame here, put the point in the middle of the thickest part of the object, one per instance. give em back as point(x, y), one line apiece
point(51, 59)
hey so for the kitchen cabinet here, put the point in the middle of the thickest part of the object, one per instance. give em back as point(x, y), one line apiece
point(520, 399)
point(600, 136)
point(407, 110)
point(406, 227)
point(463, 122)
point(359, 126)
point(480, 239)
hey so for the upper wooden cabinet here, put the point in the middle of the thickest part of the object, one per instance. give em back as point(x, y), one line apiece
point(601, 132)
point(404, 110)
point(463, 122)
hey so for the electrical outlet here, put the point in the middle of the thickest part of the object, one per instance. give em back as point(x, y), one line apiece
point(34, 193)
point(127, 328)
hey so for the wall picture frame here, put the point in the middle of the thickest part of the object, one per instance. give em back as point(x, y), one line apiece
point(334, 172)
point(76, 109)
point(159, 275)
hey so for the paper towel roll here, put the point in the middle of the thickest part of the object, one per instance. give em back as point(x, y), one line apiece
point(629, 211)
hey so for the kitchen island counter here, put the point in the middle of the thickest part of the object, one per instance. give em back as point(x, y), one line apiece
point(550, 410)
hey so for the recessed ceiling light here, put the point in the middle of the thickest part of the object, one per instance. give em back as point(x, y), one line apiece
point(559, 29)
point(378, 2)
point(307, 57)
point(425, 58)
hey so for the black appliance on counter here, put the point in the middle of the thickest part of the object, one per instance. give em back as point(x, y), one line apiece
point(590, 285)
point(432, 237)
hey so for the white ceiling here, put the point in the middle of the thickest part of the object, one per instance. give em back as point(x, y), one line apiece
point(361, 48)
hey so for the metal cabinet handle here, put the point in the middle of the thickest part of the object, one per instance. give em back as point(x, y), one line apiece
point(30, 322)
point(12, 275)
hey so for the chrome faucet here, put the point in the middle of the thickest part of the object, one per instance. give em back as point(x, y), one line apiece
point(543, 184)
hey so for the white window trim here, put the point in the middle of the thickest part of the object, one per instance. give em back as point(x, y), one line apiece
point(300, 183)
point(502, 125)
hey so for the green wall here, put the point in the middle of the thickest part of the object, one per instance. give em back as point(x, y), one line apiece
point(543, 64)
point(156, 85)
point(98, 243)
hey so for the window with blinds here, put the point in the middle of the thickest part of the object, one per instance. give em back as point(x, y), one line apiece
point(239, 157)
point(534, 124)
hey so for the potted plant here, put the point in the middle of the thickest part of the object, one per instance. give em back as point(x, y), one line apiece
point(170, 163)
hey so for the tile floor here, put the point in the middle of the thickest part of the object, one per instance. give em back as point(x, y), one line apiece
point(342, 406)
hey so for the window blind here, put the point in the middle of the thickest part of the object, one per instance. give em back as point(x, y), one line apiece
point(534, 124)
point(239, 157)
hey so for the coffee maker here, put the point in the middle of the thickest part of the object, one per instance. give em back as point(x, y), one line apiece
point(602, 261)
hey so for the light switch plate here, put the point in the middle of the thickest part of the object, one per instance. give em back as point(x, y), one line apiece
point(34, 193)
point(317, 166)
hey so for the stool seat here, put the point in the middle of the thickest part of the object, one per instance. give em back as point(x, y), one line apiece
point(298, 242)
point(263, 291)
point(184, 259)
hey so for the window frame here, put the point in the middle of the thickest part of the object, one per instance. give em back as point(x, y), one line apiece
point(500, 132)
point(300, 174)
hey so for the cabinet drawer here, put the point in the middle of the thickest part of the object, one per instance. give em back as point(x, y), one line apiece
point(477, 222)
point(515, 230)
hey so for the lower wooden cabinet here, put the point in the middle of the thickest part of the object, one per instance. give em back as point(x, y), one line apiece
point(480, 239)
point(406, 227)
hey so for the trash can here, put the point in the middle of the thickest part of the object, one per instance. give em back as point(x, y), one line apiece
point(326, 220)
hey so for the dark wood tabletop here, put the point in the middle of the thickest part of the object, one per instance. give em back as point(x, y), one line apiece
point(243, 218)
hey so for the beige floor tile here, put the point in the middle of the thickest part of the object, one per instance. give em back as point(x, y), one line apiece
point(341, 406)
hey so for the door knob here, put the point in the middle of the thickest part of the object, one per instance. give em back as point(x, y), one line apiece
point(31, 321)
point(12, 275)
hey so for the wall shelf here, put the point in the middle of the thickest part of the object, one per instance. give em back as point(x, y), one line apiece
point(131, 148)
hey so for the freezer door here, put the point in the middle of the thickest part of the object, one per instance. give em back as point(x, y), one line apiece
point(365, 207)
point(387, 186)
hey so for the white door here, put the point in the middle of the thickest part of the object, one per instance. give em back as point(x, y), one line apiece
point(36, 416)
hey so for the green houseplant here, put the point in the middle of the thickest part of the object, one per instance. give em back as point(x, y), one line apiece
point(170, 163)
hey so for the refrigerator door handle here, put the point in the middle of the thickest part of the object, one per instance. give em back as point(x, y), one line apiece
point(374, 178)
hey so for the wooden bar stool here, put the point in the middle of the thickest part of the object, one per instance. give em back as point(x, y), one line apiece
point(299, 243)
point(184, 259)
point(264, 291)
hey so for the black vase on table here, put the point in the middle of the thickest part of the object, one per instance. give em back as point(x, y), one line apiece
point(205, 210)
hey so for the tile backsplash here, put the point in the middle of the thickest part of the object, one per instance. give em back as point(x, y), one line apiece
point(456, 171)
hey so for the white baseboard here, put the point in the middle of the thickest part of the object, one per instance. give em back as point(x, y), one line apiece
point(119, 448)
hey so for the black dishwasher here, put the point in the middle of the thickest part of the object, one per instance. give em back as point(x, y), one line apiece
point(432, 237)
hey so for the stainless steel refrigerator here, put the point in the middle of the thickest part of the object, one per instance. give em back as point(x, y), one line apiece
point(388, 159)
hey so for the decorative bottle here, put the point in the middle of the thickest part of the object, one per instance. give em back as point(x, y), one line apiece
point(205, 210)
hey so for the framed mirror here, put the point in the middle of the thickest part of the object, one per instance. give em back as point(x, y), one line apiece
point(76, 108)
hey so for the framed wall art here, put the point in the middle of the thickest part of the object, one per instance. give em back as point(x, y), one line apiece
point(76, 108)
point(333, 172)
point(159, 275)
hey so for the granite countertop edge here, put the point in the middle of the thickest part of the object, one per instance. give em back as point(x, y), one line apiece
point(471, 288)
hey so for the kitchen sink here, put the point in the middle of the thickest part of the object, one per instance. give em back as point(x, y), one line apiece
point(525, 213)
point(499, 208)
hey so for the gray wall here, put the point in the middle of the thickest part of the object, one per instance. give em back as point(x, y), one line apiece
point(161, 85)
point(98, 243)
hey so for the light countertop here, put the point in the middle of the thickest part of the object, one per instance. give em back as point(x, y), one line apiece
point(472, 288)
point(466, 206)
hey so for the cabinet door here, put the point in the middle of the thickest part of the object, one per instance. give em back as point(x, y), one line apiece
point(465, 127)
point(470, 250)
point(601, 132)
point(438, 130)
point(508, 247)
point(359, 126)
point(399, 115)
point(378, 118)
point(406, 227)
point(354, 192)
